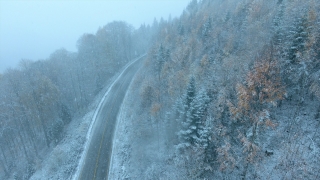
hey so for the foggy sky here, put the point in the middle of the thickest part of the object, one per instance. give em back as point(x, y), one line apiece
point(35, 29)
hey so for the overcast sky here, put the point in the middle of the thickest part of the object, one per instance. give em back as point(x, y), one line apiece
point(34, 29)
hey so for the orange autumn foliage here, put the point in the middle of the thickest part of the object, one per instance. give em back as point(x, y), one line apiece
point(262, 86)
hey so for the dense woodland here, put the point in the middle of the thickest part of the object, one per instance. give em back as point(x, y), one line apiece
point(40, 98)
point(230, 90)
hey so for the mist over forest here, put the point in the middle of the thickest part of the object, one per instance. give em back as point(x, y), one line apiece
point(228, 90)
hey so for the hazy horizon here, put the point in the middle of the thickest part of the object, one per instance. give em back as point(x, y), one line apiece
point(34, 29)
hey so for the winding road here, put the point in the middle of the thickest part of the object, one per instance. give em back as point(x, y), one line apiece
point(95, 161)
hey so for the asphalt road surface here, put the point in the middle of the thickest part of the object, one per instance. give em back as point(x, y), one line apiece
point(96, 162)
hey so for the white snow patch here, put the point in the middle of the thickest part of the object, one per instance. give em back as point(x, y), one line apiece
point(88, 137)
point(120, 148)
point(63, 161)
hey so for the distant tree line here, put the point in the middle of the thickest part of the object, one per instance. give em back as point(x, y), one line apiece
point(40, 98)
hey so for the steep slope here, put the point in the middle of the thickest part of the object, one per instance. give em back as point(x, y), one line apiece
point(229, 90)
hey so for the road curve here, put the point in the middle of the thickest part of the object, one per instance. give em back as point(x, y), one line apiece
point(95, 162)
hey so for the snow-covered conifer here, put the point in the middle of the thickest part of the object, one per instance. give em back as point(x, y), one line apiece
point(194, 130)
point(299, 35)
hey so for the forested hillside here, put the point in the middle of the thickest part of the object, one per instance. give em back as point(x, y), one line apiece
point(40, 98)
point(230, 90)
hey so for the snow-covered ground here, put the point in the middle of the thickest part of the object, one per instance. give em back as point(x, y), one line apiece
point(63, 160)
point(121, 147)
point(142, 149)
point(289, 151)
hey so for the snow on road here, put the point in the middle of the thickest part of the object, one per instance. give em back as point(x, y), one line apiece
point(64, 159)
point(120, 147)
point(89, 134)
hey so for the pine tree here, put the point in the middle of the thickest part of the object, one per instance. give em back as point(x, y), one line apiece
point(200, 105)
point(181, 29)
point(191, 93)
point(195, 131)
point(206, 30)
point(188, 128)
point(299, 36)
point(162, 55)
point(278, 28)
